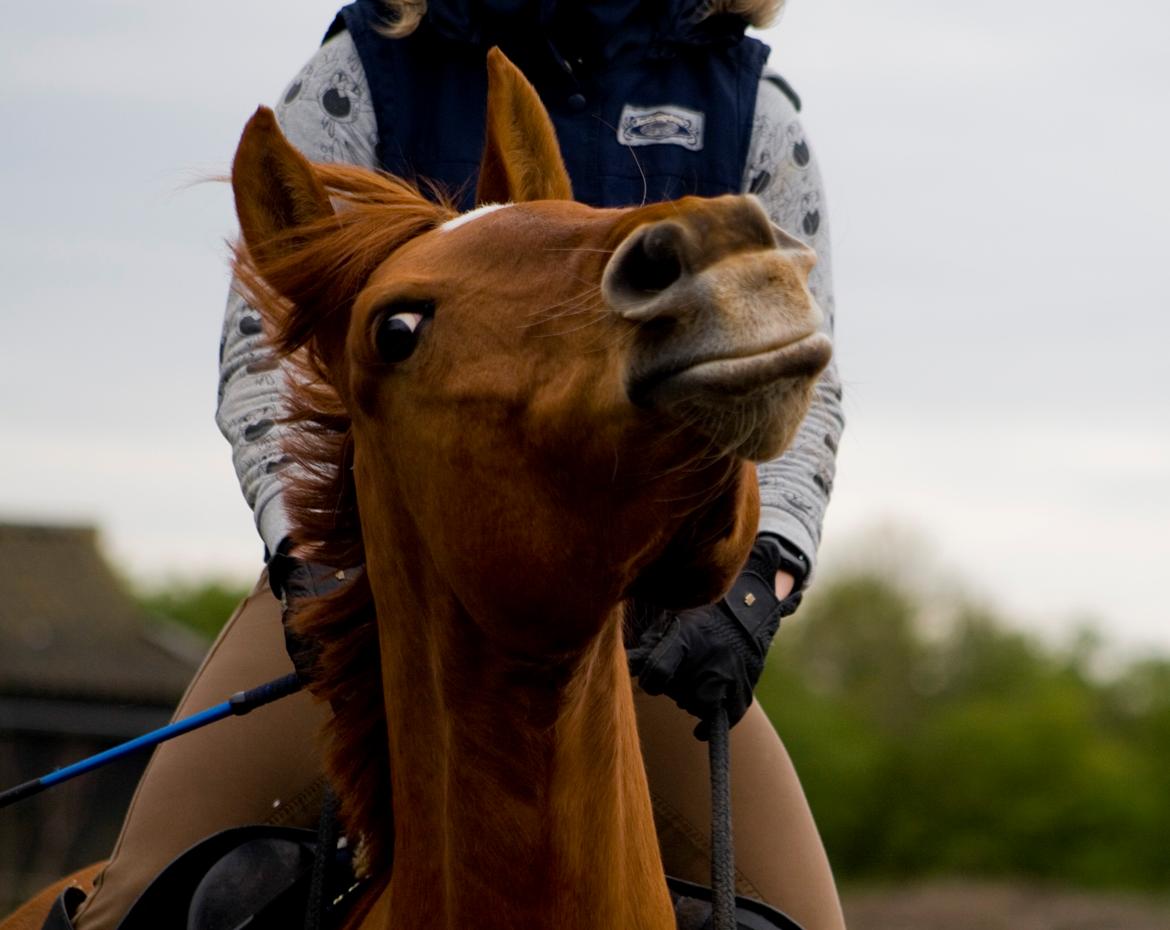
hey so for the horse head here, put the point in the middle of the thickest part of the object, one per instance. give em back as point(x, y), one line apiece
point(524, 414)
point(541, 388)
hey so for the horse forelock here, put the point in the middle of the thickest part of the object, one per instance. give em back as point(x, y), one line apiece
point(327, 261)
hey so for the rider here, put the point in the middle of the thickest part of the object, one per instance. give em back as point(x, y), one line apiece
point(651, 101)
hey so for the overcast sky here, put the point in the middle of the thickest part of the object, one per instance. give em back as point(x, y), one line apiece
point(999, 196)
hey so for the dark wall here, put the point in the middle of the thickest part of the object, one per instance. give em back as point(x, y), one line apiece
point(65, 827)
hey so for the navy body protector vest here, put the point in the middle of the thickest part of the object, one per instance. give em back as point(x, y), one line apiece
point(651, 122)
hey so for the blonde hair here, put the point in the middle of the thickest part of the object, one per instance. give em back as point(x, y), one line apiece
point(758, 13)
point(407, 14)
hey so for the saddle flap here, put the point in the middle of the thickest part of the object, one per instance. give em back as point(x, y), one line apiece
point(255, 864)
point(255, 878)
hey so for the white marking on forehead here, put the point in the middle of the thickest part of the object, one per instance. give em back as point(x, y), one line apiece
point(472, 215)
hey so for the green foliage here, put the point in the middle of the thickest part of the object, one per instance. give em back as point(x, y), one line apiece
point(973, 750)
point(203, 607)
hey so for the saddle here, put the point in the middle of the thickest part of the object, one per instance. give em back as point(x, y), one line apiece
point(260, 878)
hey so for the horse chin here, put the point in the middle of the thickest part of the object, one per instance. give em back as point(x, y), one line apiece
point(748, 405)
point(758, 427)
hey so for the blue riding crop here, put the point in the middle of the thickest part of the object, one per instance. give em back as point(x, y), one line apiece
point(243, 702)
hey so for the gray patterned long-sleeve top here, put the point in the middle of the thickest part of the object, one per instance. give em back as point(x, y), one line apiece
point(327, 114)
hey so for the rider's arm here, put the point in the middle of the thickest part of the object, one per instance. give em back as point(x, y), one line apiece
point(782, 171)
point(325, 112)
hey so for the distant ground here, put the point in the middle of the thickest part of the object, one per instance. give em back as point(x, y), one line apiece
point(970, 906)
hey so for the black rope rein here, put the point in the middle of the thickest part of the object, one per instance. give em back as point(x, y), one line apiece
point(723, 915)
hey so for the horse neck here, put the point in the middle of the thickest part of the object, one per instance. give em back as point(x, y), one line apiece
point(520, 797)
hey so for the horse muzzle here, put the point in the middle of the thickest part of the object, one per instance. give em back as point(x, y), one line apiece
point(727, 336)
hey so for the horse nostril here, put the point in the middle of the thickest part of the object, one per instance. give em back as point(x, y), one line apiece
point(654, 262)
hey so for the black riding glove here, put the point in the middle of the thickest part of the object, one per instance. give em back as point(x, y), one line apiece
point(713, 655)
point(293, 580)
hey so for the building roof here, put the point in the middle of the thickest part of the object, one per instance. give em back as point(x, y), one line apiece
point(68, 629)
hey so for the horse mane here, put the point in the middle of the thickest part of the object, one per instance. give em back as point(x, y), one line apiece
point(331, 258)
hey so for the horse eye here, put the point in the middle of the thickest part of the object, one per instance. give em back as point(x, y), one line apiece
point(398, 328)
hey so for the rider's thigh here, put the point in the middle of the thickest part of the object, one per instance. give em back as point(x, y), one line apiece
point(779, 856)
point(261, 768)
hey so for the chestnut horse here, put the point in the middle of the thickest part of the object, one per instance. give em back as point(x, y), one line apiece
point(517, 419)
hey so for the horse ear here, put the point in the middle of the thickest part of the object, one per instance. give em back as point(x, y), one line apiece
point(275, 187)
point(277, 192)
point(521, 157)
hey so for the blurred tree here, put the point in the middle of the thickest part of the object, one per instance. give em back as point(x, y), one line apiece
point(856, 642)
point(203, 606)
point(974, 750)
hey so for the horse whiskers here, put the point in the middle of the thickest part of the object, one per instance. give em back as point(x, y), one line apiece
point(689, 466)
point(542, 316)
point(581, 249)
point(573, 304)
point(573, 329)
point(580, 307)
point(710, 454)
point(702, 496)
point(699, 500)
point(615, 340)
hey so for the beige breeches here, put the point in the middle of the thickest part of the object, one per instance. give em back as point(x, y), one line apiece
point(264, 768)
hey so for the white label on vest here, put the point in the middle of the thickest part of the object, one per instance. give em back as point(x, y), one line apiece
point(662, 125)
